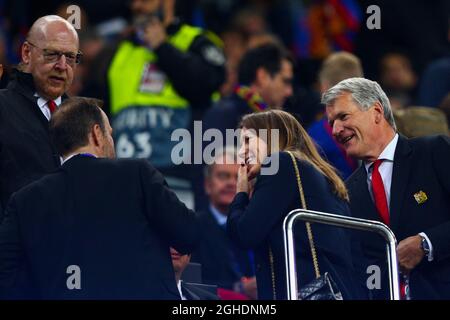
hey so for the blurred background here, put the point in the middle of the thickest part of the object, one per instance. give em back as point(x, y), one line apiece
point(412, 45)
point(409, 55)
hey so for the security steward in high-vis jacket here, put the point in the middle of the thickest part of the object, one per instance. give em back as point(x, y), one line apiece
point(159, 79)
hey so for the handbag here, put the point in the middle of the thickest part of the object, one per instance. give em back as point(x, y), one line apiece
point(323, 286)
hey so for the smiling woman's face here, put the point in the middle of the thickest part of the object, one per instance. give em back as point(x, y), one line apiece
point(253, 150)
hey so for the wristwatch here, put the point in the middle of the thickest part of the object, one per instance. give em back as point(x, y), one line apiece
point(425, 247)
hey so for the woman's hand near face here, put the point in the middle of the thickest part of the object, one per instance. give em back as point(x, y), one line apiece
point(242, 183)
point(253, 171)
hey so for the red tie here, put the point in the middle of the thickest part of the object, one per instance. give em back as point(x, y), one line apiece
point(379, 195)
point(51, 105)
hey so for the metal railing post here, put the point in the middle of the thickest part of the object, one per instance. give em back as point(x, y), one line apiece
point(344, 222)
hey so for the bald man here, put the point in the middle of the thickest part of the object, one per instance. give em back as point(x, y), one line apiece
point(49, 58)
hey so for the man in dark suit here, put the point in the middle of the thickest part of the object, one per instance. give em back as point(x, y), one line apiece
point(188, 291)
point(403, 182)
point(49, 58)
point(96, 228)
point(265, 81)
point(223, 264)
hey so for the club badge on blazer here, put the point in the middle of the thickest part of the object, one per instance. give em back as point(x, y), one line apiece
point(420, 197)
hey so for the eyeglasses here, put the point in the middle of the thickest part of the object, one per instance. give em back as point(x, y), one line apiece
point(52, 56)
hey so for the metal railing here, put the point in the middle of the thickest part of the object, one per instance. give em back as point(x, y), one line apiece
point(344, 222)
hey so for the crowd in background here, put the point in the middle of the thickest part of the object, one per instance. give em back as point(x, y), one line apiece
point(405, 55)
point(409, 56)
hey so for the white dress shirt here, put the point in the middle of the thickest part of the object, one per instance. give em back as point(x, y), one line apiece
point(71, 156)
point(385, 169)
point(42, 103)
point(220, 217)
point(180, 291)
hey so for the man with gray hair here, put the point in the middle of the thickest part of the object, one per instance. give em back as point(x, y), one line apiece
point(49, 58)
point(402, 182)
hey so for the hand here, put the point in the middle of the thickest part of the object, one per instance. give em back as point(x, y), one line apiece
point(253, 171)
point(410, 253)
point(155, 33)
point(242, 183)
point(251, 187)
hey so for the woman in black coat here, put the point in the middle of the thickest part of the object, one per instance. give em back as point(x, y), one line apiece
point(259, 208)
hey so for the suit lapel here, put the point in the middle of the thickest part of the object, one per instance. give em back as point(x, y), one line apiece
point(360, 200)
point(224, 248)
point(25, 87)
point(188, 293)
point(400, 176)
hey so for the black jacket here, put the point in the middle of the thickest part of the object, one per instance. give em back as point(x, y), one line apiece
point(219, 256)
point(226, 114)
point(26, 153)
point(420, 164)
point(257, 223)
point(114, 219)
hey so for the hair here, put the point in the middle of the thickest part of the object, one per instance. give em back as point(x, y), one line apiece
point(268, 56)
point(364, 92)
point(71, 124)
point(293, 138)
point(417, 121)
point(228, 152)
point(340, 66)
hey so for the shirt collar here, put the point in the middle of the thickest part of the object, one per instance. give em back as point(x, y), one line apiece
point(387, 154)
point(180, 290)
point(220, 217)
point(42, 102)
point(73, 155)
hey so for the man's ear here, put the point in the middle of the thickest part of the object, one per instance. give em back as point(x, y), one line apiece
point(26, 53)
point(97, 135)
point(379, 112)
point(262, 76)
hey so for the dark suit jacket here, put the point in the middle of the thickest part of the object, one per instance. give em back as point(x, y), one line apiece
point(193, 292)
point(226, 114)
point(115, 219)
point(215, 255)
point(420, 164)
point(26, 153)
point(257, 223)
